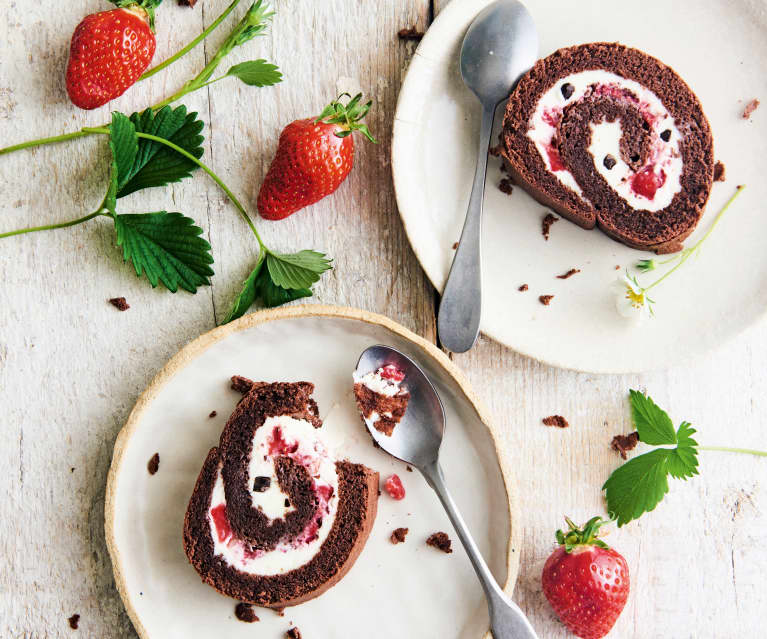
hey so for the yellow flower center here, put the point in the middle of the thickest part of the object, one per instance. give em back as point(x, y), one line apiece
point(635, 299)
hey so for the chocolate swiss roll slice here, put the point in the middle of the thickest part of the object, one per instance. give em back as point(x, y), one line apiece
point(607, 135)
point(274, 520)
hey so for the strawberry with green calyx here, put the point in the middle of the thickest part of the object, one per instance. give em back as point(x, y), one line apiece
point(109, 52)
point(314, 156)
point(585, 581)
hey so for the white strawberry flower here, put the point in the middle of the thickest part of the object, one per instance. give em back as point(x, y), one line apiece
point(631, 300)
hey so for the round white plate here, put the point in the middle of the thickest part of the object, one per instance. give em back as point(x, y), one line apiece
point(720, 48)
point(407, 590)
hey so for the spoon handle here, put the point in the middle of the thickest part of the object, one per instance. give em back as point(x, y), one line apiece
point(507, 621)
point(461, 306)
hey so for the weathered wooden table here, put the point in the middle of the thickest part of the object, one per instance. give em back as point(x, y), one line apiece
point(71, 366)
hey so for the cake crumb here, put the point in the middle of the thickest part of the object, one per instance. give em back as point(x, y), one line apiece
point(495, 151)
point(506, 187)
point(241, 384)
point(719, 171)
point(750, 108)
point(621, 444)
point(280, 611)
point(455, 245)
point(74, 621)
point(153, 465)
point(617, 267)
point(409, 469)
point(440, 541)
point(244, 612)
point(213, 413)
point(545, 299)
point(294, 633)
point(556, 420)
point(410, 34)
point(523, 288)
point(569, 273)
point(188, 3)
point(546, 225)
point(398, 536)
point(120, 303)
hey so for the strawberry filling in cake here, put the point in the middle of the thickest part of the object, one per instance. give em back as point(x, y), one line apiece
point(381, 398)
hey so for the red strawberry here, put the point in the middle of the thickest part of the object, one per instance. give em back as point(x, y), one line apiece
point(586, 581)
point(314, 156)
point(109, 52)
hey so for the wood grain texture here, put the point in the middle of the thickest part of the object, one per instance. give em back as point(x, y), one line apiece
point(71, 366)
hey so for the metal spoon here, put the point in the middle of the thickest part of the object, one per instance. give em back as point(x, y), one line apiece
point(499, 47)
point(416, 440)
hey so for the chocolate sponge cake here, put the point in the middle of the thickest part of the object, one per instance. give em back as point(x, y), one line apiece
point(381, 399)
point(274, 520)
point(609, 136)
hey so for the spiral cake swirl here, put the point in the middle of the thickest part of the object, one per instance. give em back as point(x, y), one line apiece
point(274, 520)
point(607, 135)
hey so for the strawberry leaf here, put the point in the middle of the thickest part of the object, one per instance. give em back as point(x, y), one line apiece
point(683, 462)
point(167, 247)
point(256, 73)
point(296, 270)
point(155, 164)
point(653, 424)
point(247, 295)
point(124, 144)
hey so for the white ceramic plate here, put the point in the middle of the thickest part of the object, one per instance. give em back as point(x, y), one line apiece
point(408, 590)
point(720, 48)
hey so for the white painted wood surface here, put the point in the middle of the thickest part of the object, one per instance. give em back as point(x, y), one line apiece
point(71, 366)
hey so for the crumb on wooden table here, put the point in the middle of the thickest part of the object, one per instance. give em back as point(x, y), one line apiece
point(120, 303)
point(556, 420)
point(74, 621)
point(410, 33)
point(188, 3)
point(621, 444)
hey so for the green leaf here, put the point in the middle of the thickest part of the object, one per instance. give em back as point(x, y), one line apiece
point(683, 461)
point(167, 247)
point(110, 199)
point(273, 295)
point(124, 144)
point(154, 163)
point(256, 73)
point(637, 486)
point(297, 270)
point(247, 295)
point(654, 425)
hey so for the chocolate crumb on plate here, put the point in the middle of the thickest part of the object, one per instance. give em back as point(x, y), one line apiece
point(398, 536)
point(455, 245)
point(719, 172)
point(188, 3)
point(523, 288)
point(506, 186)
point(293, 633)
point(410, 34)
point(244, 612)
point(495, 151)
point(569, 273)
point(545, 299)
point(546, 225)
point(280, 611)
point(119, 303)
point(750, 108)
point(212, 414)
point(153, 465)
point(623, 443)
point(440, 541)
point(556, 420)
point(74, 620)
point(617, 267)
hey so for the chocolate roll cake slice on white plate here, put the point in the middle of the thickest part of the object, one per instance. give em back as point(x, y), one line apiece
point(274, 519)
point(610, 136)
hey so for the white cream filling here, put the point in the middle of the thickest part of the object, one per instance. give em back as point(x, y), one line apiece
point(313, 453)
point(379, 384)
point(606, 137)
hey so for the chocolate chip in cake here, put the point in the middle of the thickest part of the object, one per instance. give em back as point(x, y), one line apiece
point(624, 443)
point(609, 161)
point(440, 541)
point(74, 620)
point(244, 612)
point(153, 465)
point(261, 484)
point(567, 90)
point(556, 420)
point(666, 135)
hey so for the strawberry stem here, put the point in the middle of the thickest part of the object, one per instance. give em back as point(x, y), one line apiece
point(214, 25)
point(49, 227)
point(727, 449)
point(586, 536)
point(349, 116)
point(147, 5)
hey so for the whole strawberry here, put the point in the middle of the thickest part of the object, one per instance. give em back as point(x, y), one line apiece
point(314, 156)
point(109, 52)
point(586, 581)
